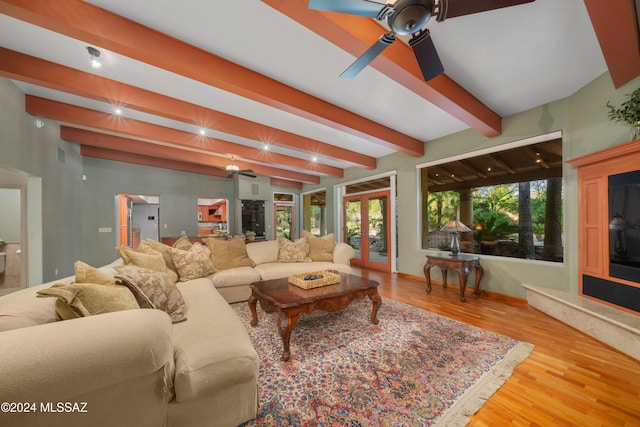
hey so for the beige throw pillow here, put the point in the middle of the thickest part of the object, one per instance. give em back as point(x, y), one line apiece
point(227, 254)
point(194, 263)
point(165, 250)
point(88, 274)
point(182, 243)
point(87, 299)
point(320, 248)
point(146, 248)
point(289, 251)
point(150, 258)
point(153, 289)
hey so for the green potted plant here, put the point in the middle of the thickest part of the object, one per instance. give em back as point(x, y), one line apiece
point(628, 112)
point(250, 234)
point(2, 243)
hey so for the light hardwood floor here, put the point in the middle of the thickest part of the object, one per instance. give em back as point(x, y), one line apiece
point(570, 379)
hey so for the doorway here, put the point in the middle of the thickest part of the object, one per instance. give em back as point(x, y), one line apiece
point(283, 215)
point(367, 228)
point(138, 218)
point(11, 241)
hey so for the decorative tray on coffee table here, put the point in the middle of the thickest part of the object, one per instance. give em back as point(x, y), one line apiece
point(314, 279)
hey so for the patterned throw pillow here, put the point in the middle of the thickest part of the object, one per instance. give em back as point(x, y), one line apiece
point(194, 263)
point(289, 251)
point(320, 248)
point(153, 289)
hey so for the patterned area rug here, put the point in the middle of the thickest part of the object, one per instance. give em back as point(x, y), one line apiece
point(415, 368)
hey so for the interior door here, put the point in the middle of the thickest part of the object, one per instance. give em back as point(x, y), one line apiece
point(366, 219)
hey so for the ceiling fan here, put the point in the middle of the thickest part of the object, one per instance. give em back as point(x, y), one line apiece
point(408, 18)
point(233, 169)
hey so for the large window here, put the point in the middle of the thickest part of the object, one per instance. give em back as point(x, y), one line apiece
point(511, 201)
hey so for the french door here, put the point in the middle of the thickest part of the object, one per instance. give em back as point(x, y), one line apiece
point(366, 229)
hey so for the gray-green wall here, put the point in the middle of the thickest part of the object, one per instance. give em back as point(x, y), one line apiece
point(31, 151)
point(73, 209)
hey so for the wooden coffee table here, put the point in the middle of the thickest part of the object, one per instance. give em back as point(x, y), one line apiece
point(289, 301)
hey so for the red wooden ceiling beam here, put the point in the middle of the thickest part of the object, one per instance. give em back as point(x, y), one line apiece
point(617, 31)
point(138, 159)
point(91, 24)
point(97, 120)
point(286, 183)
point(140, 148)
point(355, 34)
point(18, 66)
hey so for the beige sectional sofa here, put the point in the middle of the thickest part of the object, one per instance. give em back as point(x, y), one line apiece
point(136, 367)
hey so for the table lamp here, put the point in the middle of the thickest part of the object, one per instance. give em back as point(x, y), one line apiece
point(455, 227)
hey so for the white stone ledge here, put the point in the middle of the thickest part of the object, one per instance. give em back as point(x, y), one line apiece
point(617, 328)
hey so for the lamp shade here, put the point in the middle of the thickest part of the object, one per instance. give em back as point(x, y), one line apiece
point(455, 226)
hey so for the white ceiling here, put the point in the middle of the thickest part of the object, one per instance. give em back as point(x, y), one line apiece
point(512, 59)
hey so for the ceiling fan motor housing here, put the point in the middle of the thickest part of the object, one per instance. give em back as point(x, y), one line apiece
point(410, 16)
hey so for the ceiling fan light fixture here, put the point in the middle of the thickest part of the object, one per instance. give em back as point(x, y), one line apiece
point(232, 167)
point(94, 55)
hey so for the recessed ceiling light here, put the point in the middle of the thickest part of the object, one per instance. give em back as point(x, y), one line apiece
point(314, 159)
point(94, 56)
point(203, 131)
point(265, 147)
point(117, 111)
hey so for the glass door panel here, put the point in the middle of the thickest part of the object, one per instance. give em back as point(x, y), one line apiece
point(367, 229)
point(353, 232)
point(284, 220)
point(378, 235)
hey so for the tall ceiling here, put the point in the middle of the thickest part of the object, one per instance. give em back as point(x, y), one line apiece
point(260, 78)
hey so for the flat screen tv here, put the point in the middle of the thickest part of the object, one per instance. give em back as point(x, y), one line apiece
point(624, 226)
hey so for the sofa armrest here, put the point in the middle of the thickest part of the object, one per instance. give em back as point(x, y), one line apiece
point(343, 253)
point(67, 360)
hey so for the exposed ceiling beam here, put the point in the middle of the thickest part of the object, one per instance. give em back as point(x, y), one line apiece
point(79, 116)
point(355, 34)
point(501, 163)
point(119, 156)
point(18, 66)
point(84, 21)
point(536, 157)
point(468, 166)
point(126, 145)
point(616, 26)
point(534, 175)
point(284, 183)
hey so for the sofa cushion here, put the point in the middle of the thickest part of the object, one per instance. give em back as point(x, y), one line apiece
point(88, 299)
point(149, 258)
point(194, 263)
point(278, 270)
point(320, 248)
point(21, 309)
point(212, 349)
point(226, 254)
point(235, 277)
point(290, 252)
point(182, 243)
point(165, 250)
point(153, 289)
point(88, 274)
point(263, 252)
